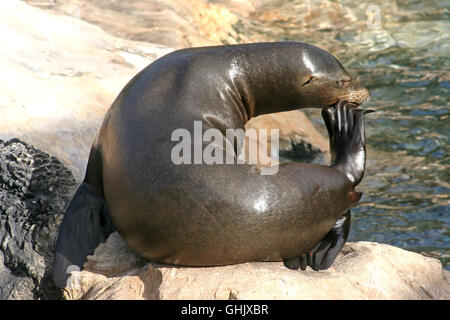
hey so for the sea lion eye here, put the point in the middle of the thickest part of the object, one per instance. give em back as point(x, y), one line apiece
point(309, 80)
point(343, 82)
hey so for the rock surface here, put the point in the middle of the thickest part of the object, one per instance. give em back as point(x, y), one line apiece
point(35, 189)
point(363, 270)
point(59, 76)
point(174, 23)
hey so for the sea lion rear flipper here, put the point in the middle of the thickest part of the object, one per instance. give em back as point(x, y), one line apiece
point(86, 223)
point(322, 256)
point(292, 263)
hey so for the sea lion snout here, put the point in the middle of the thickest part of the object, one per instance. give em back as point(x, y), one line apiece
point(351, 92)
point(327, 90)
point(354, 93)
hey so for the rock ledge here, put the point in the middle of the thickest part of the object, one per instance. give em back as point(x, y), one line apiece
point(363, 270)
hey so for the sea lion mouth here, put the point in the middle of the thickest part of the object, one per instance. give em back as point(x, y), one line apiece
point(353, 98)
point(358, 96)
point(351, 104)
point(353, 93)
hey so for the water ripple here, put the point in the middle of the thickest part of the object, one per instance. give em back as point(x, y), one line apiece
point(405, 65)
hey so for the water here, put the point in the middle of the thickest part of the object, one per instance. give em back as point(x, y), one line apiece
point(404, 63)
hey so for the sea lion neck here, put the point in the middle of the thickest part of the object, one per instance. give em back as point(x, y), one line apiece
point(267, 77)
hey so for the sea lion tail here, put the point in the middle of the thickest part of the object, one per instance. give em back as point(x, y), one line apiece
point(86, 223)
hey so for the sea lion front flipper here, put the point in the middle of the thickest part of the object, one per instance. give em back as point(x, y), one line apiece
point(345, 125)
point(86, 223)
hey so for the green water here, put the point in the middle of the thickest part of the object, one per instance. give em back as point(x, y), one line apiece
point(404, 63)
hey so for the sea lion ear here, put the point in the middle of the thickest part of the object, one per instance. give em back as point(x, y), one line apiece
point(346, 78)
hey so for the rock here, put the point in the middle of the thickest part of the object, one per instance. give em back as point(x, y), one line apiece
point(173, 23)
point(299, 139)
point(363, 270)
point(31, 210)
point(70, 70)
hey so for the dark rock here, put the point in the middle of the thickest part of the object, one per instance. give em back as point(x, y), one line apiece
point(35, 190)
point(303, 151)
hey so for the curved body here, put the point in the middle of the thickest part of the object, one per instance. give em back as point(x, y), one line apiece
point(205, 215)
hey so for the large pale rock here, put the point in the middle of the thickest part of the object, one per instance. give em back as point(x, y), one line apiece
point(174, 23)
point(59, 76)
point(363, 270)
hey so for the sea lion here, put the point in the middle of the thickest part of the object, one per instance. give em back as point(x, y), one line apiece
point(219, 214)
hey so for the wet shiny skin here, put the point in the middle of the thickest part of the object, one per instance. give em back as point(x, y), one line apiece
point(205, 215)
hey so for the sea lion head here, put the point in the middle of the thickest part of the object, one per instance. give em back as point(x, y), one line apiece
point(324, 81)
